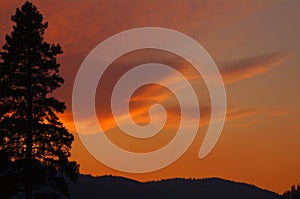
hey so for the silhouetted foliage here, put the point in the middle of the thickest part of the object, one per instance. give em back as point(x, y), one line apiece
point(179, 188)
point(294, 193)
point(34, 144)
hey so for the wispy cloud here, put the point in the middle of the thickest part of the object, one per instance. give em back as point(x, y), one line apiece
point(280, 112)
point(297, 126)
point(251, 66)
point(251, 115)
point(243, 113)
point(237, 114)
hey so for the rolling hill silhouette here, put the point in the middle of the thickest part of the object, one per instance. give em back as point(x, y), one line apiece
point(119, 187)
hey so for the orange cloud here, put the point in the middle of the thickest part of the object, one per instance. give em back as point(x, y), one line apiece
point(233, 115)
point(280, 112)
point(297, 126)
point(251, 66)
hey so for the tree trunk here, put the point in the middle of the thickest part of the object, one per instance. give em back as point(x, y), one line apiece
point(28, 159)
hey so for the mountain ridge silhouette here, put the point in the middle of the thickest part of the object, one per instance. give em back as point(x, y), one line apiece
point(109, 186)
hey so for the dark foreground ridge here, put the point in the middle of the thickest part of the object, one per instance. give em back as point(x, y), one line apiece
point(119, 187)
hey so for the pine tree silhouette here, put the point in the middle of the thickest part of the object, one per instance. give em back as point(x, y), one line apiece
point(34, 144)
point(294, 193)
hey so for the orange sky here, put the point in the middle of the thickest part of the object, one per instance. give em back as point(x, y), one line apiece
point(255, 45)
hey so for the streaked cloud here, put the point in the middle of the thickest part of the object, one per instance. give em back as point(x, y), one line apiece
point(237, 114)
point(297, 126)
point(252, 66)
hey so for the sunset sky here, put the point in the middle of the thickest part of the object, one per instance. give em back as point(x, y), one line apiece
point(255, 45)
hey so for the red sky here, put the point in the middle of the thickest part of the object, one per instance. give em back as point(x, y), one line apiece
point(255, 45)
